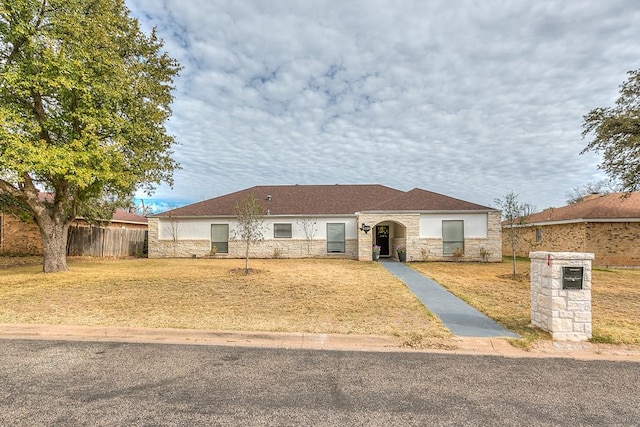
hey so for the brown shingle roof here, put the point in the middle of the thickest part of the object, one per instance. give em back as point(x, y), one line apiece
point(422, 200)
point(325, 200)
point(608, 206)
point(121, 215)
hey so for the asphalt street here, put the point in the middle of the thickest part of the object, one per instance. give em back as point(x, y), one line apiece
point(101, 383)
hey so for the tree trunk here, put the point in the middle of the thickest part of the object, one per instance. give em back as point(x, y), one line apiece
point(514, 263)
point(54, 244)
point(246, 261)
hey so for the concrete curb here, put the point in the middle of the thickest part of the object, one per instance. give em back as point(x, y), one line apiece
point(337, 342)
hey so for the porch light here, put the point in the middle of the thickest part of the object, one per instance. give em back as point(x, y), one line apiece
point(364, 227)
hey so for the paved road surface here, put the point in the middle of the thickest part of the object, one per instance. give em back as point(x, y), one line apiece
point(93, 383)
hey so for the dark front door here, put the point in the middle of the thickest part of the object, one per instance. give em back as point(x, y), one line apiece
point(382, 239)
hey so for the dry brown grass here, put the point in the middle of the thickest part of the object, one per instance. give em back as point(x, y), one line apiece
point(616, 306)
point(491, 288)
point(319, 296)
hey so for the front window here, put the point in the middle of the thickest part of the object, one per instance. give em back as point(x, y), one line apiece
point(335, 238)
point(452, 237)
point(282, 231)
point(220, 238)
point(539, 235)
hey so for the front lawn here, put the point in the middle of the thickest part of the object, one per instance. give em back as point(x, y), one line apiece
point(490, 287)
point(320, 296)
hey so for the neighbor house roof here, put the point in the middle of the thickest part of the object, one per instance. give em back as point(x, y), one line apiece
point(614, 206)
point(121, 215)
point(326, 200)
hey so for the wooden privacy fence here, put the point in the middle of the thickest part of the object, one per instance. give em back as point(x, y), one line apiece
point(106, 241)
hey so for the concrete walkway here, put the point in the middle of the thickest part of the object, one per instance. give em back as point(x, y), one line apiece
point(458, 316)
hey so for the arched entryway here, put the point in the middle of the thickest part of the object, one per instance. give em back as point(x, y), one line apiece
point(389, 235)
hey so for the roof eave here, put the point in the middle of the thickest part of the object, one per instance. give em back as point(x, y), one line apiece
point(264, 216)
point(575, 221)
point(441, 211)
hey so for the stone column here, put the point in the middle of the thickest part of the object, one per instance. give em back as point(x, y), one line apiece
point(561, 294)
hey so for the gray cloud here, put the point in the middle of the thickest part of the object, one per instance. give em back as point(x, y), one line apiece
point(470, 99)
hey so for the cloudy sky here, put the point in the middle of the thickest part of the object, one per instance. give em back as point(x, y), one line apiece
point(472, 99)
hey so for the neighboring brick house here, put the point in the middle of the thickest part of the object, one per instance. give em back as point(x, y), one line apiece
point(19, 237)
point(605, 225)
point(347, 221)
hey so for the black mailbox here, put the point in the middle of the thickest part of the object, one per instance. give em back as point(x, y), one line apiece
point(572, 277)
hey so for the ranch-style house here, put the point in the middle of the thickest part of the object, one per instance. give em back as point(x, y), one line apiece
point(333, 221)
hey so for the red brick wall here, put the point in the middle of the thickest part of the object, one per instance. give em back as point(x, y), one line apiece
point(614, 244)
point(19, 237)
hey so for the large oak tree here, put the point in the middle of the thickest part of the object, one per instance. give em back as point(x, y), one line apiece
point(84, 96)
point(616, 134)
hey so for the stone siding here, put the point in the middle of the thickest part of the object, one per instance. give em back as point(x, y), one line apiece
point(404, 230)
point(432, 249)
point(265, 249)
point(272, 248)
point(613, 243)
point(566, 313)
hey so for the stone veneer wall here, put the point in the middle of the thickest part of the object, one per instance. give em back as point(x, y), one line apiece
point(272, 248)
point(431, 249)
point(405, 231)
point(410, 222)
point(566, 313)
point(421, 249)
point(613, 243)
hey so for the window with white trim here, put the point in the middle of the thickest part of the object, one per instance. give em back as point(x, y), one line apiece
point(452, 236)
point(220, 238)
point(282, 231)
point(335, 238)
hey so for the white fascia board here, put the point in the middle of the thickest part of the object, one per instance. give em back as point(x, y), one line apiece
point(193, 217)
point(309, 216)
point(427, 212)
point(263, 216)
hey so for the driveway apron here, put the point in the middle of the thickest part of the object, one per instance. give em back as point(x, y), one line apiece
point(456, 315)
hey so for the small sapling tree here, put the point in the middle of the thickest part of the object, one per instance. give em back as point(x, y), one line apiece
point(174, 227)
point(514, 215)
point(309, 227)
point(250, 228)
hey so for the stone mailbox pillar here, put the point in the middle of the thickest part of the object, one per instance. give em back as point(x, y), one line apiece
point(561, 294)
